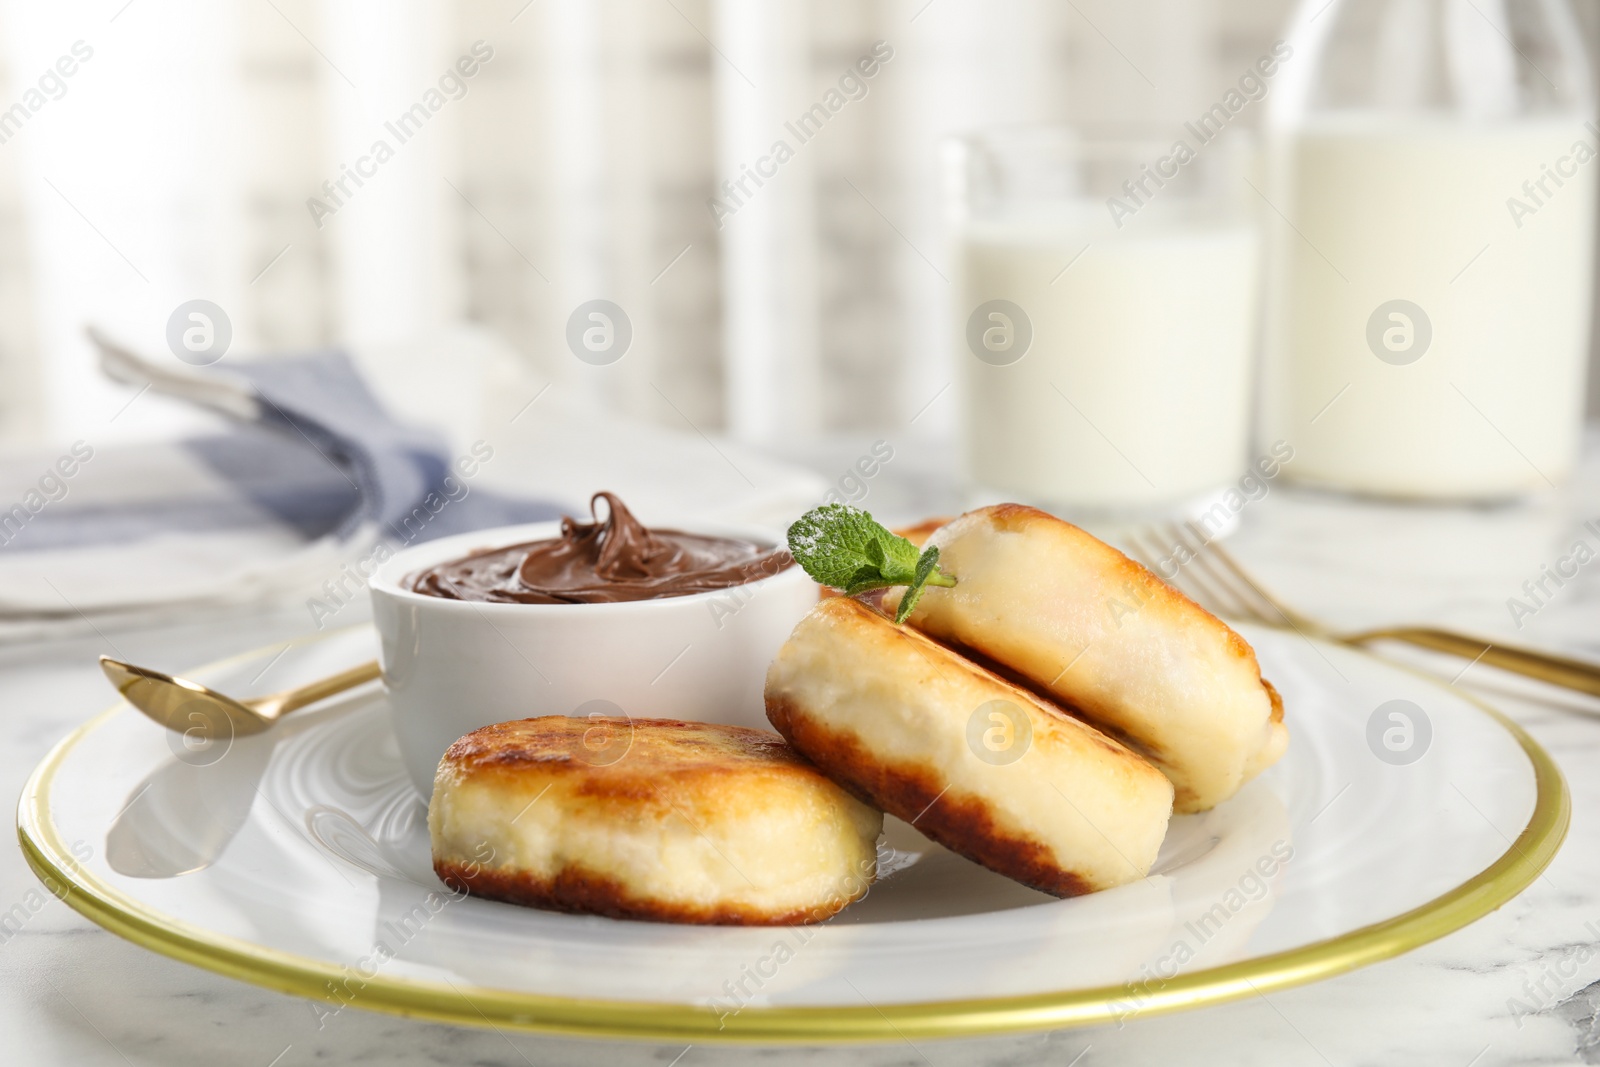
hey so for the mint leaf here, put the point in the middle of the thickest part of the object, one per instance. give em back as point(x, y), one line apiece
point(834, 545)
point(926, 565)
point(894, 556)
point(845, 548)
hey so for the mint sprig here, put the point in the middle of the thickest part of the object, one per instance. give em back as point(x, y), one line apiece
point(845, 548)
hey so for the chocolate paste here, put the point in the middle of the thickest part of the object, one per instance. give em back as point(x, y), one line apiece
point(602, 562)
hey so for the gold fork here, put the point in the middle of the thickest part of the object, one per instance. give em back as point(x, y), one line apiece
point(1207, 573)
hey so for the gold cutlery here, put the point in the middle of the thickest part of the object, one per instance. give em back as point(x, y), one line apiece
point(1216, 581)
point(187, 707)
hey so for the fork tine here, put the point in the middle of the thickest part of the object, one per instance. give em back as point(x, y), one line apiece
point(1148, 556)
point(1226, 571)
point(1225, 592)
point(1141, 555)
point(1154, 542)
point(1281, 610)
point(1211, 576)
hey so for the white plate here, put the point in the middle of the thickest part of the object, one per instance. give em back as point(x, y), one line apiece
point(299, 860)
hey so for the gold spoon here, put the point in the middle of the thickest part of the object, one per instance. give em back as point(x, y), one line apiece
point(185, 706)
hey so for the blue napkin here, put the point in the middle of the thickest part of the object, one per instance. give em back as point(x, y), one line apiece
point(319, 403)
point(313, 471)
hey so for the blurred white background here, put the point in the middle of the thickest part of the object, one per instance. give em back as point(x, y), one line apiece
point(177, 162)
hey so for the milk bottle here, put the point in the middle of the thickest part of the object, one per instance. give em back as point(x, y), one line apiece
point(1432, 188)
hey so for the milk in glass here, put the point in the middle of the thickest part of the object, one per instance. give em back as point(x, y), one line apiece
point(1135, 388)
point(1104, 330)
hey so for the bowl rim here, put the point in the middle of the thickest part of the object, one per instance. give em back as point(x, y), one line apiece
point(386, 579)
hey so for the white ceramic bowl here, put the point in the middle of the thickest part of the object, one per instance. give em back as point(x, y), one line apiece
point(451, 666)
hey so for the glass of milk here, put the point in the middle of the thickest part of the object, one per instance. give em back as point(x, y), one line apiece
point(1432, 178)
point(1104, 318)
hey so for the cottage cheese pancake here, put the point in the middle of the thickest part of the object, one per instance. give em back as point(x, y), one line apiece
point(1086, 625)
point(652, 819)
point(910, 726)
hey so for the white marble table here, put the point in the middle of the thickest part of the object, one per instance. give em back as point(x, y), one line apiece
point(71, 993)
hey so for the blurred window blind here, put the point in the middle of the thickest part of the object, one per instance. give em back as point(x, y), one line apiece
point(584, 158)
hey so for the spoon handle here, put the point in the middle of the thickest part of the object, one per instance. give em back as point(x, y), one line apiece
point(321, 689)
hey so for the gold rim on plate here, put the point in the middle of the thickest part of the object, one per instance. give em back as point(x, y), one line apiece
point(448, 1002)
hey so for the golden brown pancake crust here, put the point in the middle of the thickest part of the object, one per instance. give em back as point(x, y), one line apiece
point(625, 759)
point(580, 892)
point(964, 826)
point(582, 744)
